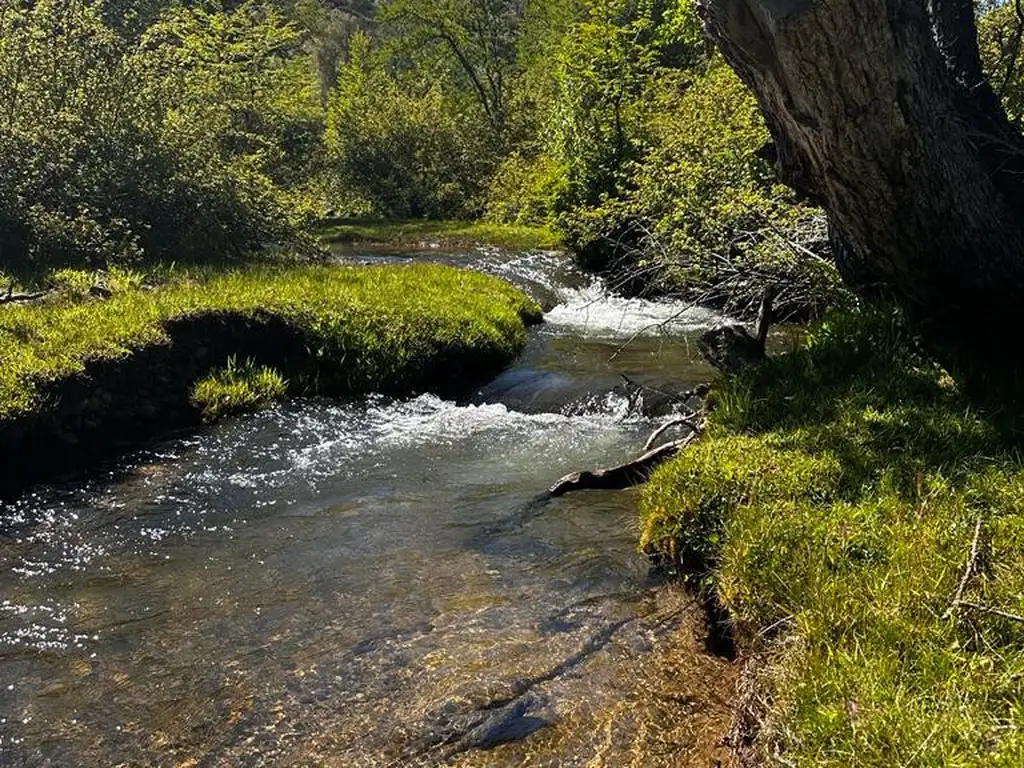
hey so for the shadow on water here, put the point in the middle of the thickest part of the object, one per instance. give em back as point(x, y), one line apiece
point(373, 583)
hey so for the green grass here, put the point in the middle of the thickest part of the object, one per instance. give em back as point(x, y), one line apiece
point(831, 506)
point(238, 387)
point(368, 326)
point(445, 232)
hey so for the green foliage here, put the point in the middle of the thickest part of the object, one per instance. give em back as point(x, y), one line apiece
point(835, 499)
point(528, 190)
point(702, 209)
point(367, 327)
point(605, 71)
point(1000, 33)
point(471, 42)
point(646, 157)
point(404, 149)
point(238, 387)
point(183, 139)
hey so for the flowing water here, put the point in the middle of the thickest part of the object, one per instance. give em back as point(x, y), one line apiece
point(371, 583)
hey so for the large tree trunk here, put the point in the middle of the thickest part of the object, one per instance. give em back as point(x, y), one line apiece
point(880, 113)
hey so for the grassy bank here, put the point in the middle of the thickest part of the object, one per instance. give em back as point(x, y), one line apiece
point(380, 320)
point(81, 375)
point(446, 233)
point(832, 508)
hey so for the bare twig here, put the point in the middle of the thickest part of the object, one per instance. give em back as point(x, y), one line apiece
point(661, 324)
point(674, 397)
point(686, 420)
point(993, 611)
point(972, 563)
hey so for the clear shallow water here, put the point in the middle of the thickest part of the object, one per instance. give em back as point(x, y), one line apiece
point(369, 583)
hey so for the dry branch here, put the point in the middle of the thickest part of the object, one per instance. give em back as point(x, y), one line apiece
point(993, 611)
point(683, 421)
point(624, 475)
point(972, 562)
point(11, 298)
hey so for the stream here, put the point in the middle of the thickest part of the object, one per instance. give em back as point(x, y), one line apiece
point(370, 583)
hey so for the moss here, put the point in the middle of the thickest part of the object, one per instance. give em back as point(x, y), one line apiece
point(456, 233)
point(238, 387)
point(832, 507)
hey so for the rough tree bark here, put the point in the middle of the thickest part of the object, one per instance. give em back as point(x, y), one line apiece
point(880, 112)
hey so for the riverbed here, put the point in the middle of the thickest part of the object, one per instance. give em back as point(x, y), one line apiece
point(375, 583)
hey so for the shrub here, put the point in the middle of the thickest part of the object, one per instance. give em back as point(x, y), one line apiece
point(406, 148)
point(184, 139)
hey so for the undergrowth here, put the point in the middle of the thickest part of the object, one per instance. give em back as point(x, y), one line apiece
point(832, 506)
point(365, 327)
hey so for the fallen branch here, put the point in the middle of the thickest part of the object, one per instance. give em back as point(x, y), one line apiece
point(993, 611)
point(685, 420)
point(972, 562)
point(10, 297)
point(623, 476)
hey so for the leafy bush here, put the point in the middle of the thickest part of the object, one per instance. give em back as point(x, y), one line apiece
point(702, 212)
point(405, 148)
point(182, 140)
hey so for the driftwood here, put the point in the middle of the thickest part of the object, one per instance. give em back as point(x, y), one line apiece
point(730, 348)
point(624, 475)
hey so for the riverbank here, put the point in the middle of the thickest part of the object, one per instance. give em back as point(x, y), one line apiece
point(862, 525)
point(448, 234)
point(86, 377)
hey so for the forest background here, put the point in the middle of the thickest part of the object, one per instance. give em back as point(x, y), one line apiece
point(147, 130)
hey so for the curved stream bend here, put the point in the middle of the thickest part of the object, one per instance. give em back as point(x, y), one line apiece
point(365, 584)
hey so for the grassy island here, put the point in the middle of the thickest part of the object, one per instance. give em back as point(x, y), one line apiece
point(80, 372)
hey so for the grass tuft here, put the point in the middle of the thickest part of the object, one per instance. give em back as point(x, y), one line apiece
point(238, 387)
point(834, 499)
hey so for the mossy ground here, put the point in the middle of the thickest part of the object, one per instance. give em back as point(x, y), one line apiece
point(446, 232)
point(831, 506)
point(365, 325)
